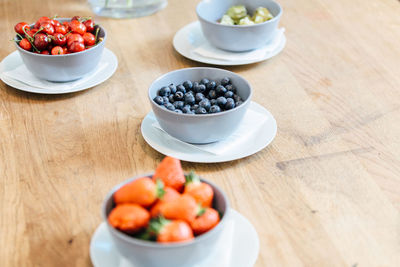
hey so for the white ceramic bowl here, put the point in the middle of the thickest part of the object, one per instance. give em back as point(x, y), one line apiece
point(234, 37)
point(194, 128)
point(151, 254)
point(64, 68)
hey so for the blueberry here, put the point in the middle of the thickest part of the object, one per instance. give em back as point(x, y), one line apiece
point(186, 109)
point(237, 98)
point(230, 104)
point(181, 88)
point(228, 94)
point(213, 102)
point(159, 100)
point(204, 81)
point(211, 85)
point(189, 99)
point(178, 96)
point(164, 91)
point(221, 90)
point(221, 101)
point(165, 99)
point(238, 103)
point(205, 103)
point(212, 94)
point(179, 104)
point(201, 89)
point(172, 87)
point(171, 98)
point(178, 111)
point(199, 97)
point(169, 106)
point(201, 110)
point(215, 109)
point(230, 87)
point(225, 81)
point(194, 107)
point(188, 85)
point(196, 87)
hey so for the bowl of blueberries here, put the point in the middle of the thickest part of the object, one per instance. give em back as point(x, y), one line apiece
point(200, 105)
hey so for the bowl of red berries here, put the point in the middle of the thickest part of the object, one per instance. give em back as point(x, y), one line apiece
point(60, 49)
point(166, 218)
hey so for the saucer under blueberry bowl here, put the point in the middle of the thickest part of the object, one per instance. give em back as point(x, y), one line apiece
point(237, 38)
point(200, 128)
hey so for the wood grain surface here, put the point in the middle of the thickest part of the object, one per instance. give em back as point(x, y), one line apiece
point(326, 192)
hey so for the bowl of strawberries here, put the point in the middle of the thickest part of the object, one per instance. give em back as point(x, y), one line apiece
point(60, 49)
point(166, 218)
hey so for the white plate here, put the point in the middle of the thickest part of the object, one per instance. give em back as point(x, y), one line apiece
point(13, 60)
point(238, 247)
point(190, 37)
point(161, 141)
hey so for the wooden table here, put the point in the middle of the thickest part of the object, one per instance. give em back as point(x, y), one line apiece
point(326, 192)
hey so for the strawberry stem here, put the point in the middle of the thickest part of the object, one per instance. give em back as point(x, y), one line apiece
point(160, 192)
point(201, 210)
point(156, 225)
point(192, 177)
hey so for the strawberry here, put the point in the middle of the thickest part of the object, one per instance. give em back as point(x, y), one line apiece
point(170, 231)
point(170, 194)
point(142, 191)
point(182, 208)
point(171, 173)
point(130, 218)
point(207, 219)
point(202, 192)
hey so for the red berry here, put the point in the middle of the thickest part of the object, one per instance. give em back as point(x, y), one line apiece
point(76, 18)
point(47, 28)
point(59, 39)
point(89, 39)
point(41, 41)
point(55, 23)
point(77, 27)
point(45, 52)
point(57, 50)
point(66, 25)
point(19, 27)
point(25, 44)
point(61, 29)
point(40, 21)
point(89, 25)
point(74, 38)
point(76, 47)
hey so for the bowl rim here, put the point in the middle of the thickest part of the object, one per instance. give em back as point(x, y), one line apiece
point(157, 245)
point(243, 105)
point(65, 55)
point(277, 17)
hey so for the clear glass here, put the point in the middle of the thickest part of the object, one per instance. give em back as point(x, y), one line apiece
point(126, 8)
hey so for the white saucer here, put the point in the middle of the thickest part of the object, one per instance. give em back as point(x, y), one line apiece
point(13, 60)
point(190, 37)
point(163, 143)
point(239, 246)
